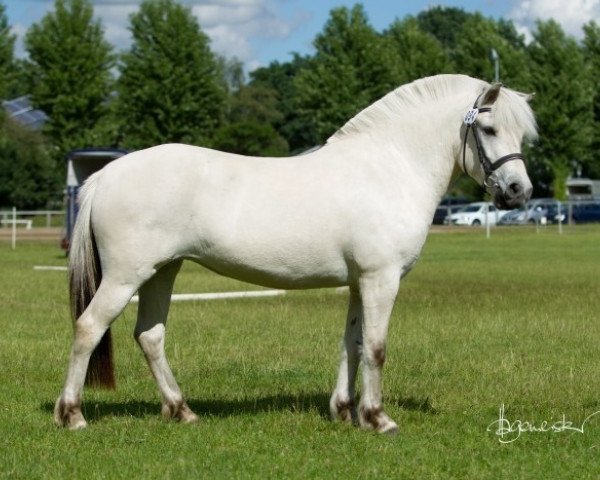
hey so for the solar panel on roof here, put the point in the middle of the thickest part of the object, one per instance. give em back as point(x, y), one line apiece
point(23, 112)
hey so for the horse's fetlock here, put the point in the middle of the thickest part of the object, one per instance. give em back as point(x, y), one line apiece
point(343, 409)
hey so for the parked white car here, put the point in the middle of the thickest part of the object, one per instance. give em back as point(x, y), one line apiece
point(475, 214)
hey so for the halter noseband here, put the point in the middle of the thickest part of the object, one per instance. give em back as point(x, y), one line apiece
point(488, 166)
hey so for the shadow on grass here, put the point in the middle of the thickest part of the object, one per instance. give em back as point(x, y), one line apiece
point(319, 402)
point(417, 405)
point(94, 411)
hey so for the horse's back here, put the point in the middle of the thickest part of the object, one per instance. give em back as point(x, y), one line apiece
point(250, 218)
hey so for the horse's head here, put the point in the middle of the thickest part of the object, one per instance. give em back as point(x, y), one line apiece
point(491, 152)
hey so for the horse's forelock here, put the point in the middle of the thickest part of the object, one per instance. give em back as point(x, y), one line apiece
point(512, 111)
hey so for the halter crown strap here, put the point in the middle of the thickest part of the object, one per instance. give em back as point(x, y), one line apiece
point(488, 166)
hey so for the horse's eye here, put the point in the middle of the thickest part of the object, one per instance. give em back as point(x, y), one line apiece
point(489, 131)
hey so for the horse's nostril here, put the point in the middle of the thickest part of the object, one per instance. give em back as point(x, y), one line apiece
point(515, 190)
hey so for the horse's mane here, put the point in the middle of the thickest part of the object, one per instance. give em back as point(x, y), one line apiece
point(510, 109)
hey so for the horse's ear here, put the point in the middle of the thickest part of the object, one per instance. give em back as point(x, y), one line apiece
point(490, 94)
point(528, 96)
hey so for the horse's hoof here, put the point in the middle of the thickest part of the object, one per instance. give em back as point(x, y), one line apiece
point(374, 418)
point(186, 415)
point(391, 430)
point(179, 411)
point(77, 423)
point(68, 415)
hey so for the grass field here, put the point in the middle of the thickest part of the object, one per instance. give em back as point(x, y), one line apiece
point(479, 323)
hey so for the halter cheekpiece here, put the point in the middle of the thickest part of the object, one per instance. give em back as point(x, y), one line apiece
point(488, 166)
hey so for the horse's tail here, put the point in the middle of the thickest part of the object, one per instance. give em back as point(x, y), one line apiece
point(85, 274)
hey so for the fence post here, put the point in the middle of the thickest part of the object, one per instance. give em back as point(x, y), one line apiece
point(14, 228)
point(487, 220)
point(560, 211)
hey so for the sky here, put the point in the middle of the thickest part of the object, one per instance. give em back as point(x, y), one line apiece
point(260, 31)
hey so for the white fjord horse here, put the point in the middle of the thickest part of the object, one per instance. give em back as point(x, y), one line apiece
point(355, 212)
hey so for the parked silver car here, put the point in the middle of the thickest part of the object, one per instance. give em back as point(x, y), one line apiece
point(540, 210)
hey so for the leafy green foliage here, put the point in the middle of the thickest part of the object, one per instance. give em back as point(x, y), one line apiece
point(591, 51)
point(474, 43)
point(419, 53)
point(249, 129)
point(27, 174)
point(444, 23)
point(565, 111)
point(298, 130)
point(353, 66)
point(170, 88)
point(28, 177)
point(250, 138)
point(7, 43)
point(70, 74)
point(256, 103)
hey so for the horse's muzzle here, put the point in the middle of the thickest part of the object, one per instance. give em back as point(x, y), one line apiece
point(514, 195)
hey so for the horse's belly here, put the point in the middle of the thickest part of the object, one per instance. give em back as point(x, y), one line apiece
point(275, 268)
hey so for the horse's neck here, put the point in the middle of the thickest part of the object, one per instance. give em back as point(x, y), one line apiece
point(420, 153)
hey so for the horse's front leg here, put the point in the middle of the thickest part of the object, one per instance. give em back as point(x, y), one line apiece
point(342, 404)
point(377, 292)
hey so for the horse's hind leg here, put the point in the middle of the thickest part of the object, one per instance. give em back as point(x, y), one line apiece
point(342, 403)
point(155, 298)
point(108, 302)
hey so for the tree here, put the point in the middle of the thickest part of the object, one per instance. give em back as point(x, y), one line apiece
point(420, 54)
point(591, 51)
point(565, 113)
point(443, 23)
point(27, 176)
point(232, 71)
point(298, 130)
point(474, 42)
point(7, 43)
point(249, 129)
point(353, 66)
point(69, 70)
point(256, 103)
point(250, 138)
point(171, 88)
point(28, 179)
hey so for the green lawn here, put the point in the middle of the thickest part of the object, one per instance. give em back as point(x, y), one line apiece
point(479, 323)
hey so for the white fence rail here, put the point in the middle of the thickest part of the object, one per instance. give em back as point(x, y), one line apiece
point(12, 221)
point(26, 217)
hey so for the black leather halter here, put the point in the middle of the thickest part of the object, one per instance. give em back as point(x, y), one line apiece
point(488, 166)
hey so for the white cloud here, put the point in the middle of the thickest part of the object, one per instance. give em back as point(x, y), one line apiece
point(570, 14)
point(115, 20)
point(226, 41)
point(230, 24)
point(234, 26)
point(19, 30)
